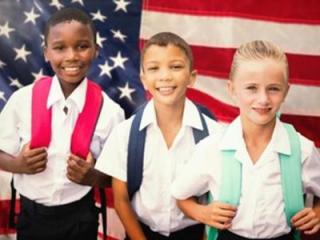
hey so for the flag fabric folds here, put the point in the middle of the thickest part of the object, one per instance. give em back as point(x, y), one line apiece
point(213, 28)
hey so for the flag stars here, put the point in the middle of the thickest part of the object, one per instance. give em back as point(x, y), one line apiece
point(5, 30)
point(100, 40)
point(117, 34)
point(38, 75)
point(2, 64)
point(56, 3)
point(105, 69)
point(14, 82)
point(126, 91)
point(31, 16)
point(78, 1)
point(2, 97)
point(119, 60)
point(98, 16)
point(121, 5)
point(22, 53)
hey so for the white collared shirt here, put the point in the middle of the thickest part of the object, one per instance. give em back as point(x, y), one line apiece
point(260, 213)
point(51, 187)
point(153, 202)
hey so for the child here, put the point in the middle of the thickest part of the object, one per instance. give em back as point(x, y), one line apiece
point(65, 110)
point(244, 166)
point(168, 121)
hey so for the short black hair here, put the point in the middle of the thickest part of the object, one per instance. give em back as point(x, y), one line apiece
point(164, 39)
point(66, 15)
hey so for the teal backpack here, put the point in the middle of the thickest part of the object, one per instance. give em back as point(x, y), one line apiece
point(290, 166)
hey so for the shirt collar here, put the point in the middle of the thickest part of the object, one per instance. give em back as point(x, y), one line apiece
point(78, 96)
point(190, 118)
point(233, 137)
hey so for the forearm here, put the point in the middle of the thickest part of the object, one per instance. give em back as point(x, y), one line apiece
point(96, 178)
point(129, 220)
point(191, 208)
point(8, 163)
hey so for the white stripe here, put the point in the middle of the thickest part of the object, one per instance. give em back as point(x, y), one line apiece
point(114, 227)
point(229, 32)
point(301, 100)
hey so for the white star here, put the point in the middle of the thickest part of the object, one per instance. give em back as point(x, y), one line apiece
point(21, 53)
point(119, 35)
point(98, 16)
point(121, 5)
point(2, 64)
point(2, 97)
point(119, 60)
point(31, 16)
point(100, 40)
point(56, 3)
point(78, 1)
point(37, 75)
point(42, 40)
point(126, 91)
point(15, 82)
point(5, 30)
point(105, 69)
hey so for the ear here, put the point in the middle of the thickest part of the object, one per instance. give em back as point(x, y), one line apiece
point(193, 78)
point(143, 80)
point(230, 88)
point(45, 54)
point(286, 92)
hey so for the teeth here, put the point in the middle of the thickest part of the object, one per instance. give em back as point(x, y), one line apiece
point(166, 89)
point(71, 68)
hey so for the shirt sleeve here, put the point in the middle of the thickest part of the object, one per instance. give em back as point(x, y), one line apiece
point(113, 158)
point(195, 179)
point(9, 134)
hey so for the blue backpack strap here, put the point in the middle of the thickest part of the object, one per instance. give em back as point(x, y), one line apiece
point(231, 178)
point(135, 154)
point(291, 179)
point(201, 134)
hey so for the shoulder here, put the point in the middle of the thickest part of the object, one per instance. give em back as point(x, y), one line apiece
point(110, 104)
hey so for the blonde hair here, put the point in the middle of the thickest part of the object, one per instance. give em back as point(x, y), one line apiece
point(258, 50)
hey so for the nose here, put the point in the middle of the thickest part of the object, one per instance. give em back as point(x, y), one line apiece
point(263, 97)
point(165, 75)
point(71, 54)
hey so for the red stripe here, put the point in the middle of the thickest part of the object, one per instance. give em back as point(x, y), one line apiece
point(287, 11)
point(216, 62)
point(306, 125)
point(4, 217)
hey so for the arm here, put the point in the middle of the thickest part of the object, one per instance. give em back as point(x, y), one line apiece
point(215, 214)
point(308, 219)
point(82, 171)
point(123, 207)
point(29, 161)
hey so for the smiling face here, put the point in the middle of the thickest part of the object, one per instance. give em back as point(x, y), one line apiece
point(70, 49)
point(166, 74)
point(259, 87)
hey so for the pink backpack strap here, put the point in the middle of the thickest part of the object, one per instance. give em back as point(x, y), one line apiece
point(40, 115)
point(87, 120)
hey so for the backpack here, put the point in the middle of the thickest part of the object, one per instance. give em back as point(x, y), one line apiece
point(290, 168)
point(81, 136)
point(136, 146)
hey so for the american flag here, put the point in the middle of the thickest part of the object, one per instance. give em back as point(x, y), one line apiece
point(214, 28)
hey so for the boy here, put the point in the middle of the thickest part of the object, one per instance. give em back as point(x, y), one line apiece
point(258, 167)
point(168, 120)
point(44, 124)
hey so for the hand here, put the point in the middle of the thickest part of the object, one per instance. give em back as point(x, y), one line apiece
point(219, 215)
point(31, 161)
point(78, 168)
point(307, 221)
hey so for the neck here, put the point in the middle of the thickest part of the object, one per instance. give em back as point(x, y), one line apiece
point(68, 88)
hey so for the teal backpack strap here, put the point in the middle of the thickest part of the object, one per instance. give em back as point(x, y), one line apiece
point(290, 166)
point(230, 184)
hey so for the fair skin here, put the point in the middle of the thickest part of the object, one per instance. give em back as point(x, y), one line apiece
point(258, 88)
point(166, 75)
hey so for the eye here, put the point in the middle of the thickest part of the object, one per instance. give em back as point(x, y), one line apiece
point(152, 68)
point(83, 46)
point(177, 66)
point(251, 88)
point(58, 48)
point(274, 89)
